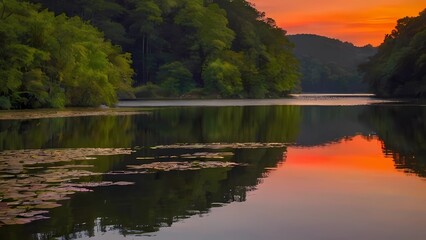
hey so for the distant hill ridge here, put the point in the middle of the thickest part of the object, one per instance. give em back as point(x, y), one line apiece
point(330, 65)
point(331, 50)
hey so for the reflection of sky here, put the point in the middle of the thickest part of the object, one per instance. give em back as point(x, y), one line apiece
point(347, 190)
point(360, 22)
point(343, 190)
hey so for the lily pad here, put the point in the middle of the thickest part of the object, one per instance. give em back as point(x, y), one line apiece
point(176, 166)
point(98, 184)
point(145, 158)
point(47, 205)
point(123, 183)
point(32, 213)
point(253, 145)
point(15, 221)
point(7, 176)
point(125, 172)
point(51, 196)
point(72, 166)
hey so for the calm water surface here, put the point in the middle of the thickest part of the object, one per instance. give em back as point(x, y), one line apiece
point(334, 171)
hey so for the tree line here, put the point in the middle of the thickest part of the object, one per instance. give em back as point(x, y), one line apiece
point(56, 53)
point(73, 55)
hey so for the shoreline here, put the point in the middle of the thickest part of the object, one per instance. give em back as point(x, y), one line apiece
point(66, 113)
point(294, 99)
point(141, 106)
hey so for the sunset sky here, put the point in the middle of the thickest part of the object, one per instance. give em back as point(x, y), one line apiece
point(358, 21)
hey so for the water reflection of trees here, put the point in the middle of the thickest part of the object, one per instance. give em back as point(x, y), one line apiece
point(99, 131)
point(326, 124)
point(219, 124)
point(170, 125)
point(403, 132)
point(159, 199)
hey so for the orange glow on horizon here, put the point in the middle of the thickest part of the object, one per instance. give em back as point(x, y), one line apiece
point(357, 153)
point(358, 22)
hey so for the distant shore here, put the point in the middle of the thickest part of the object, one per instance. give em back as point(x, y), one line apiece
point(294, 99)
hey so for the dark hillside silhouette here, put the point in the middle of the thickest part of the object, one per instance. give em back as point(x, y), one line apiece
point(330, 65)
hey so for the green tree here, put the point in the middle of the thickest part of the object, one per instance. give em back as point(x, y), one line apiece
point(175, 78)
point(270, 67)
point(223, 78)
point(399, 67)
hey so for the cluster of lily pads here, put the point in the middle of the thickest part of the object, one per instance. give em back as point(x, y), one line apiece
point(182, 166)
point(34, 181)
point(197, 155)
point(253, 145)
point(29, 186)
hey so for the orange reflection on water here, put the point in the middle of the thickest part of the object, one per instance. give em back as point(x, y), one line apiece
point(343, 190)
point(358, 153)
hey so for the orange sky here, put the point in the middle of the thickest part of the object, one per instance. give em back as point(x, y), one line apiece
point(358, 21)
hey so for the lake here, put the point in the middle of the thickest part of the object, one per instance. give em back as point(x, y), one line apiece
point(309, 167)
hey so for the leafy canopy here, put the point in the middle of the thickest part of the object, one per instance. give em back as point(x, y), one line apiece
point(399, 67)
point(56, 61)
point(203, 36)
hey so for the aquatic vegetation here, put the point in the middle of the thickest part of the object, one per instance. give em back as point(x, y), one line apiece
point(29, 186)
point(32, 181)
point(253, 145)
point(181, 166)
point(197, 155)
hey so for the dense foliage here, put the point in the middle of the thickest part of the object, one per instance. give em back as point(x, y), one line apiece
point(56, 61)
point(329, 65)
point(399, 67)
point(227, 48)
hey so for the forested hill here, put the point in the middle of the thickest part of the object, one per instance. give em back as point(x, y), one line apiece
point(330, 65)
point(399, 67)
point(194, 47)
